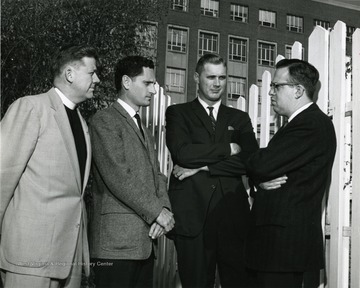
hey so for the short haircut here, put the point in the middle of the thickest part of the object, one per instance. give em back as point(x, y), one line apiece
point(131, 66)
point(69, 54)
point(211, 58)
point(301, 72)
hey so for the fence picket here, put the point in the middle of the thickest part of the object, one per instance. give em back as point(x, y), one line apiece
point(319, 57)
point(265, 109)
point(296, 50)
point(336, 196)
point(355, 222)
point(254, 107)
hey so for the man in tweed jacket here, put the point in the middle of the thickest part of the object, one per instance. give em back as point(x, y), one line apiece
point(131, 205)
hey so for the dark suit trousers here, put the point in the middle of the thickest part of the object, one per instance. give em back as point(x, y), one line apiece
point(218, 245)
point(278, 280)
point(110, 273)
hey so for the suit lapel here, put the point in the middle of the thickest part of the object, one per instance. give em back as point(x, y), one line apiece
point(152, 156)
point(65, 130)
point(136, 130)
point(130, 121)
point(297, 118)
point(202, 115)
point(88, 149)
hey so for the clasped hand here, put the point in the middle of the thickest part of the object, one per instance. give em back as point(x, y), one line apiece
point(164, 223)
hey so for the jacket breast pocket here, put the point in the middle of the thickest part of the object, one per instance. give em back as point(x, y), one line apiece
point(27, 238)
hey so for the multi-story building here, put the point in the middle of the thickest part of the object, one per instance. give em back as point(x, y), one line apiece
point(248, 33)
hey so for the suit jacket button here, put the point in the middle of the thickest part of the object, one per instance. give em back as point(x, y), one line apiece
point(213, 186)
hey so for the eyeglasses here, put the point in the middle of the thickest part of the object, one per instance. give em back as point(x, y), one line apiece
point(277, 85)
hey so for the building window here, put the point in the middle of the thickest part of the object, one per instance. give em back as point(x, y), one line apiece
point(267, 18)
point(266, 54)
point(179, 5)
point(288, 49)
point(322, 23)
point(210, 8)
point(236, 87)
point(175, 80)
point(239, 13)
point(177, 39)
point(208, 43)
point(349, 31)
point(237, 49)
point(295, 23)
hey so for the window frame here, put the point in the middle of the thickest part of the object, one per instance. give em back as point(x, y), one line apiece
point(211, 9)
point(266, 62)
point(215, 34)
point(243, 47)
point(242, 87)
point(183, 47)
point(239, 14)
point(292, 21)
point(265, 14)
point(179, 5)
point(176, 86)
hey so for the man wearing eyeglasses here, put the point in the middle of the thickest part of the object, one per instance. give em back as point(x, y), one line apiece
point(285, 238)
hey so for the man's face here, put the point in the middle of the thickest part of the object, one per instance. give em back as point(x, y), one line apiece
point(212, 82)
point(282, 96)
point(141, 88)
point(84, 79)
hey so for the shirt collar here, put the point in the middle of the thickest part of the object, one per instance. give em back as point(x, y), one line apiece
point(298, 111)
point(216, 106)
point(66, 101)
point(127, 107)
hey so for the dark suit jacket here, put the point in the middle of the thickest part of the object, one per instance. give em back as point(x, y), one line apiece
point(189, 137)
point(286, 234)
point(129, 191)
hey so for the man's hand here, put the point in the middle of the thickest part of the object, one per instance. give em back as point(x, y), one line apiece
point(182, 173)
point(235, 149)
point(166, 219)
point(274, 184)
point(156, 231)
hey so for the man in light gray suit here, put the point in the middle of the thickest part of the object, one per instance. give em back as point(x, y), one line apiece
point(131, 206)
point(45, 164)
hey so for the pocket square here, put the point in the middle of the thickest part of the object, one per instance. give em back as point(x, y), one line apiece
point(230, 128)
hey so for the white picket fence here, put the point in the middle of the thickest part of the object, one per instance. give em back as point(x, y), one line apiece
point(339, 97)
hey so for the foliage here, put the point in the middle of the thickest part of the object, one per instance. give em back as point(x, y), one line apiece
point(31, 31)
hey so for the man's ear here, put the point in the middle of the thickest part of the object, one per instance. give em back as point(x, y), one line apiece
point(300, 90)
point(196, 77)
point(126, 81)
point(69, 74)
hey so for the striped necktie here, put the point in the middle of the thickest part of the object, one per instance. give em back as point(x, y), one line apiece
point(212, 118)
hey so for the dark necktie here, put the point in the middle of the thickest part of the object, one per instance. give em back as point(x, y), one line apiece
point(137, 117)
point(79, 138)
point(212, 118)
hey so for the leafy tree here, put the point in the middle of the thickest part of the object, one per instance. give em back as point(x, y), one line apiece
point(31, 31)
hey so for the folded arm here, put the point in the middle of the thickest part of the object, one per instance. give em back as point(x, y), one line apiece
point(183, 150)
